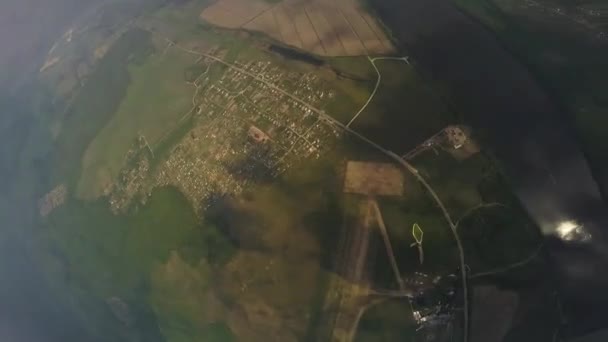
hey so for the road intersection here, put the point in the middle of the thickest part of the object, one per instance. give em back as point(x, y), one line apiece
point(345, 127)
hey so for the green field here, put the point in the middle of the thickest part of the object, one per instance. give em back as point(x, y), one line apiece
point(258, 261)
point(354, 91)
point(130, 245)
point(96, 102)
point(158, 100)
point(99, 255)
point(159, 261)
point(395, 124)
point(404, 112)
point(155, 101)
point(466, 187)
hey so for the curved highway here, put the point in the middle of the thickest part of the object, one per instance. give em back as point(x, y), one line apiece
point(503, 103)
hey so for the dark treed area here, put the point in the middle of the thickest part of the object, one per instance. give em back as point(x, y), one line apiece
point(527, 128)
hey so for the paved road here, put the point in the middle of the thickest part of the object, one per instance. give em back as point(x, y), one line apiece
point(406, 165)
point(528, 133)
point(378, 80)
point(387, 244)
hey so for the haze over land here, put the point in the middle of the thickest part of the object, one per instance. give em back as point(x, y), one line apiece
point(28, 29)
point(174, 174)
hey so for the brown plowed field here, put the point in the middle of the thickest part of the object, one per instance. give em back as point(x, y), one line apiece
point(288, 30)
point(323, 27)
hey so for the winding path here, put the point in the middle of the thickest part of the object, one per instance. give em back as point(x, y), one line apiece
point(509, 267)
point(378, 80)
point(371, 143)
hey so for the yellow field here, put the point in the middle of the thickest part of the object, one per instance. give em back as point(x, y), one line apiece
point(323, 27)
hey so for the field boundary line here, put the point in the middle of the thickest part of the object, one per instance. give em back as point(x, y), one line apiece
point(409, 167)
point(352, 28)
point(314, 29)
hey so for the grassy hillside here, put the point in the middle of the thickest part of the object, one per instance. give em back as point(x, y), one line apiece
point(155, 100)
point(96, 102)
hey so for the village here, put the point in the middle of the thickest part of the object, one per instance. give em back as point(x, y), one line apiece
point(243, 131)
